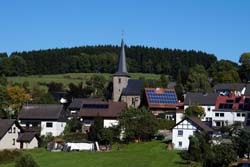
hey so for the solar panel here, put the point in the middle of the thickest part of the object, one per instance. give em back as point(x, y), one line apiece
point(167, 97)
point(95, 106)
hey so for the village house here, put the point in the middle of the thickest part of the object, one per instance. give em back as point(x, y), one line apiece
point(186, 128)
point(12, 136)
point(164, 101)
point(231, 109)
point(206, 100)
point(108, 111)
point(44, 119)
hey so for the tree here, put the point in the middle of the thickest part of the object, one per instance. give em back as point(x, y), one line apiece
point(138, 124)
point(97, 83)
point(26, 161)
point(73, 125)
point(163, 81)
point(3, 101)
point(245, 66)
point(95, 132)
point(242, 143)
point(198, 79)
point(222, 155)
point(196, 111)
point(17, 96)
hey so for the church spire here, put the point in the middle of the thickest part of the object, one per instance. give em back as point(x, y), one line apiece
point(122, 67)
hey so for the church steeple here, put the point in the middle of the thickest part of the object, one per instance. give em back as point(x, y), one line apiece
point(122, 67)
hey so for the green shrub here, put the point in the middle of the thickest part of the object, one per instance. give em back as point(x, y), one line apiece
point(9, 155)
point(78, 136)
point(26, 161)
point(165, 124)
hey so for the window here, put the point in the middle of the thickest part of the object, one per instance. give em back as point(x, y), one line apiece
point(216, 114)
point(218, 124)
point(14, 130)
point(119, 80)
point(209, 109)
point(238, 114)
point(221, 114)
point(243, 114)
point(180, 144)
point(208, 119)
point(14, 142)
point(49, 124)
point(180, 132)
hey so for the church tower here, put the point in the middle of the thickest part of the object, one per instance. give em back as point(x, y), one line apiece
point(121, 77)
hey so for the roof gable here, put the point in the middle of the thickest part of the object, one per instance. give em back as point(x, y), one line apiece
point(6, 124)
point(134, 87)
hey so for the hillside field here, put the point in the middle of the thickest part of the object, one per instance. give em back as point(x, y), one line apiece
point(71, 77)
point(150, 154)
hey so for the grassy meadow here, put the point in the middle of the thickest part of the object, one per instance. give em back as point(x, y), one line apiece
point(70, 77)
point(150, 154)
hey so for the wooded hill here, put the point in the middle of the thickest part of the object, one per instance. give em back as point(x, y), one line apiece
point(102, 59)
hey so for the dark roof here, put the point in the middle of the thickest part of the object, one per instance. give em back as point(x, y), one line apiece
point(103, 109)
point(247, 92)
point(122, 67)
point(42, 112)
point(134, 87)
point(77, 102)
point(229, 86)
point(5, 125)
point(26, 137)
point(200, 98)
point(200, 125)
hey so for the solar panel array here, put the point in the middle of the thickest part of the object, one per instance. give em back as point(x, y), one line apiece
point(167, 97)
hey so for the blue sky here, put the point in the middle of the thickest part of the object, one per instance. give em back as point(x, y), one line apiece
point(220, 27)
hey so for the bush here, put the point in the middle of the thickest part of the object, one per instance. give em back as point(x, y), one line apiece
point(26, 161)
point(9, 155)
point(76, 137)
point(46, 139)
point(165, 124)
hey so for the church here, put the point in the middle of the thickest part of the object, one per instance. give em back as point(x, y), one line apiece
point(126, 89)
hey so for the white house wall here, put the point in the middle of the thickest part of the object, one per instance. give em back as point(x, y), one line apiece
point(229, 117)
point(31, 145)
point(109, 123)
point(179, 117)
point(188, 130)
point(7, 141)
point(56, 129)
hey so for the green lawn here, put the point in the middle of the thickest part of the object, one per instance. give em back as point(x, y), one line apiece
point(150, 154)
point(71, 77)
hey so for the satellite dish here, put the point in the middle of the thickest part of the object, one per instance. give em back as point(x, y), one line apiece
point(62, 100)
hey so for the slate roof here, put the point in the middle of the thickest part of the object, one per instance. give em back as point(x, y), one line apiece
point(43, 112)
point(207, 99)
point(5, 125)
point(229, 86)
point(26, 137)
point(134, 87)
point(247, 92)
point(122, 67)
point(103, 109)
point(77, 102)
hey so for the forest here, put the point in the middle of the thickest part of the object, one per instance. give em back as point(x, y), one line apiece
point(102, 59)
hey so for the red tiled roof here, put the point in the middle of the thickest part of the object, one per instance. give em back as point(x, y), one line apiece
point(112, 110)
point(235, 105)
